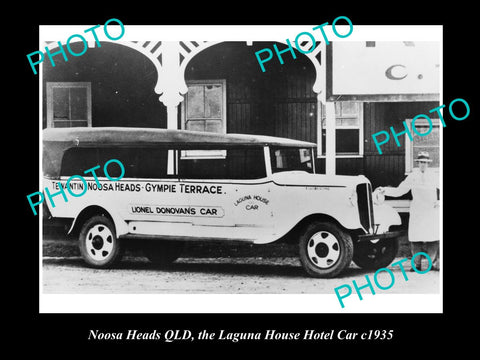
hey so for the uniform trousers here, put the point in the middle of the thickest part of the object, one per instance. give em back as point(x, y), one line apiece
point(429, 247)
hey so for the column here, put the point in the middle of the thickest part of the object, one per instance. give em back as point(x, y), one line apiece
point(330, 138)
point(172, 82)
point(172, 116)
point(172, 123)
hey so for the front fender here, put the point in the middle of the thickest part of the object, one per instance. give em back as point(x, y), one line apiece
point(385, 216)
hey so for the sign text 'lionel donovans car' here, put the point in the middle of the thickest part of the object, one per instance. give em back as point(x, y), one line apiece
point(183, 186)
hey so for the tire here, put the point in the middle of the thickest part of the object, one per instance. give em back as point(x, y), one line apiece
point(161, 252)
point(375, 255)
point(98, 243)
point(325, 250)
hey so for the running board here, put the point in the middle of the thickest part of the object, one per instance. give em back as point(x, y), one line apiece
point(184, 238)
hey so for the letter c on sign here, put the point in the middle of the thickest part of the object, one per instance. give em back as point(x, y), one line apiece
point(389, 75)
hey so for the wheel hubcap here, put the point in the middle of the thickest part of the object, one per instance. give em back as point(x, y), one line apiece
point(323, 249)
point(99, 242)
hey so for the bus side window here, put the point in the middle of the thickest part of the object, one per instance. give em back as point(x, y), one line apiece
point(76, 160)
point(152, 163)
point(127, 156)
point(238, 164)
point(202, 169)
point(244, 164)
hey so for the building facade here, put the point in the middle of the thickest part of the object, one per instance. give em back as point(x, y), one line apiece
point(219, 87)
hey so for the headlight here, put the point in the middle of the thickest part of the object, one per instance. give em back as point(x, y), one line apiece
point(378, 197)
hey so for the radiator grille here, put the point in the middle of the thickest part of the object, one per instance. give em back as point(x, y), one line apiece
point(365, 206)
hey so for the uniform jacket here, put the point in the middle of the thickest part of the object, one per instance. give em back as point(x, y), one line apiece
point(424, 215)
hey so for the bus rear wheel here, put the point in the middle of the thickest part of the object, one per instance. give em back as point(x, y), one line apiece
point(98, 242)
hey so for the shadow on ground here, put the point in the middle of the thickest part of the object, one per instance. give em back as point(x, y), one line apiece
point(278, 267)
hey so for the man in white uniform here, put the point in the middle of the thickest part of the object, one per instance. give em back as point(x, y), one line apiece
point(423, 226)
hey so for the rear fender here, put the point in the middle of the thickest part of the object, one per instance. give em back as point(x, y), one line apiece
point(121, 226)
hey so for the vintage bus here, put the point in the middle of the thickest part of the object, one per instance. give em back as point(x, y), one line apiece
point(180, 186)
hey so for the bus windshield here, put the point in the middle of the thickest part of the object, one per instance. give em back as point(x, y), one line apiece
point(291, 159)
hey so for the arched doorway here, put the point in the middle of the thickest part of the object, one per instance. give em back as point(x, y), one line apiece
point(279, 102)
point(119, 83)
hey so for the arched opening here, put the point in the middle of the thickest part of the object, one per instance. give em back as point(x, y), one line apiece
point(278, 102)
point(121, 80)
